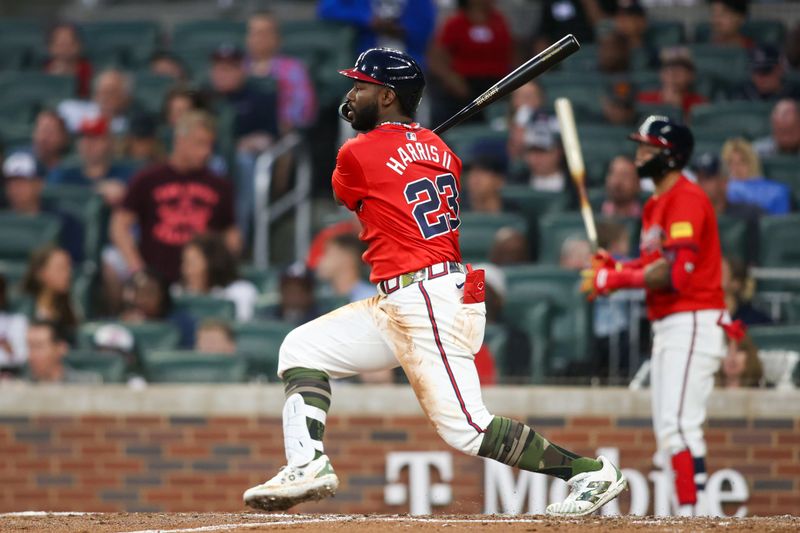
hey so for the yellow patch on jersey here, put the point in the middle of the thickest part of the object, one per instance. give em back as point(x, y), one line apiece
point(681, 230)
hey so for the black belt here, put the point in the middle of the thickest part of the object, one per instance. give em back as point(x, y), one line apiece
point(402, 281)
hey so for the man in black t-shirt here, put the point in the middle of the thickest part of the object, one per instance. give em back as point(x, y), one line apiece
point(174, 201)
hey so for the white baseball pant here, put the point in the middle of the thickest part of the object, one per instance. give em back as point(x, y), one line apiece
point(687, 350)
point(426, 329)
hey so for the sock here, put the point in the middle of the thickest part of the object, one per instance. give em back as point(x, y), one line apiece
point(683, 470)
point(314, 388)
point(517, 444)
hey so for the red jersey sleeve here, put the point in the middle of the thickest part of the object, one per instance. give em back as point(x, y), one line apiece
point(683, 223)
point(349, 183)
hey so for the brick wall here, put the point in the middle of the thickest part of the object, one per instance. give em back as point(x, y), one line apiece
point(203, 463)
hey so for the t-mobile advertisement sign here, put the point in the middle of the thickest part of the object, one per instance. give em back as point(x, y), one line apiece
point(511, 491)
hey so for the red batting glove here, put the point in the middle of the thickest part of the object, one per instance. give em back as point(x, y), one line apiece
point(602, 281)
point(603, 259)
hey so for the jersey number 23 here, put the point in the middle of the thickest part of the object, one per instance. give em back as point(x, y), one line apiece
point(426, 196)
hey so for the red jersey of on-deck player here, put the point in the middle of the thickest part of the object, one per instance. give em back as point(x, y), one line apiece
point(683, 216)
point(404, 183)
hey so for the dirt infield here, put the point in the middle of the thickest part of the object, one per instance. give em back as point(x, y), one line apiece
point(250, 522)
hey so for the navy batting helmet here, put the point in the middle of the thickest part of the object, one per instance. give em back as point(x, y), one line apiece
point(394, 69)
point(675, 140)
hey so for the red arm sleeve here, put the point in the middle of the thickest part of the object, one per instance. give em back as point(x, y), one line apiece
point(682, 267)
point(349, 183)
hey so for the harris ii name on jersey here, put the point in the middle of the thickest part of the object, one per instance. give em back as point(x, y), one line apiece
point(417, 151)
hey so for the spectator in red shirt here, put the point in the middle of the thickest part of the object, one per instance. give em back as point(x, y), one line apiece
point(677, 77)
point(65, 57)
point(727, 19)
point(471, 52)
point(175, 201)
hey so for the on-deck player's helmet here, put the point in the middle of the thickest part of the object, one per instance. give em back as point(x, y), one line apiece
point(675, 140)
point(394, 69)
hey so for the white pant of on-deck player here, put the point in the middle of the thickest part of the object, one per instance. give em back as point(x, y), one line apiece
point(687, 350)
point(426, 329)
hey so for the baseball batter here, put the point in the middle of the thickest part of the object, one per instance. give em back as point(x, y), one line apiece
point(680, 268)
point(403, 182)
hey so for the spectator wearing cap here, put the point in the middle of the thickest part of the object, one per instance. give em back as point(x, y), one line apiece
point(727, 19)
point(65, 53)
point(630, 19)
point(167, 64)
point(544, 158)
point(342, 268)
point(619, 104)
point(47, 348)
point(255, 123)
point(97, 167)
point(784, 138)
point(406, 25)
point(715, 184)
point(172, 202)
point(767, 82)
point(623, 192)
point(748, 183)
point(23, 187)
point(297, 101)
point(484, 178)
point(677, 75)
point(470, 53)
point(297, 302)
point(143, 144)
point(517, 346)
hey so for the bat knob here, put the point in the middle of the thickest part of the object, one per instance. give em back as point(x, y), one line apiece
point(345, 112)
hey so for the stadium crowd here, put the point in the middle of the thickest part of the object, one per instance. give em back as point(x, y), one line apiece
point(128, 182)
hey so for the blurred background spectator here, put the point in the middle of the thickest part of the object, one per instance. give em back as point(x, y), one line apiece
point(215, 337)
point(66, 57)
point(576, 253)
point(167, 64)
point(748, 184)
point(560, 17)
point(47, 287)
point(544, 158)
point(727, 19)
point(208, 267)
point(677, 76)
point(47, 347)
point(785, 131)
point(146, 298)
point(613, 53)
point(509, 247)
point(13, 329)
point(484, 178)
point(739, 287)
point(343, 270)
point(741, 366)
point(50, 140)
point(297, 304)
point(767, 81)
point(623, 192)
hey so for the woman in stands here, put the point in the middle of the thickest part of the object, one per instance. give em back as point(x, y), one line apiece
point(207, 267)
point(747, 183)
point(47, 284)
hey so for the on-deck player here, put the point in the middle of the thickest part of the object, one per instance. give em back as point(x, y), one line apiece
point(403, 182)
point(680, 268)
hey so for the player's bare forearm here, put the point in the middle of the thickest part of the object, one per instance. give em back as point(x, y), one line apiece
point(120, 233)
point(656, 274)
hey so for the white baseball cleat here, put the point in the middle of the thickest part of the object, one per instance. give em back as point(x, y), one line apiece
point(293, 485)
point(589, 491)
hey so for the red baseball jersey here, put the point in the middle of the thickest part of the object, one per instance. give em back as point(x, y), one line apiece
point(683, 217)
point(404, 183)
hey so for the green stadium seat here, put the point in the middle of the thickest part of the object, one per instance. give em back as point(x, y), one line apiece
point(146, 335)
point(131, 41)
point(645, 80)
point(785, 169)
point(264, 280)
point(582, 92)
point(205, 35)
point(21, 234)
point(110, 367)
point(150, 89)
point(584, 61)
point(477, 232)
point(22, 42)
point(556, 228)
point(186, 366)
point(329, 302)
point(531, 203)
point(779, 247)
point(778, 348)
point(761, 31)
point(664, 33)
point(86, 206)
point(546, 303)
point(259, 343)
point(733, 238)
point(25, 88)
point(750, 119)
point(200, 307)
point(495, 337)
point(462, 139)
point(790, 310)
point(727, 65)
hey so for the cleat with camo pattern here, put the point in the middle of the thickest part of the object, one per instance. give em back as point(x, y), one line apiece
point(589, 491)
point(293, 485)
